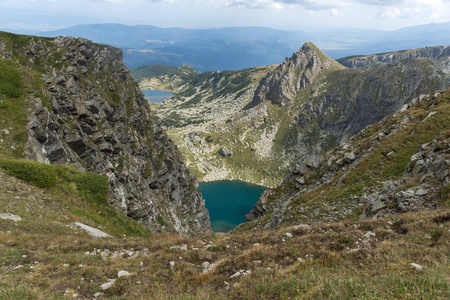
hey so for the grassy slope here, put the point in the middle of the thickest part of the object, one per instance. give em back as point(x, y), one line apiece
point(62, 194)
point(336, 261)
point(16, 83)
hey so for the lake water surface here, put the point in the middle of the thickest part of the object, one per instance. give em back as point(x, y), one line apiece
point(228, 202)
point(156, 95)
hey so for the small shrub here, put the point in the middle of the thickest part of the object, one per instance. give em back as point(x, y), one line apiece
point(399, 227)
point(342, 243)
point(366, 226)
point(40, 175)
point(442, 218)
point(94, 187)
point(436, 234)
point(115, 99)
point(213, 249)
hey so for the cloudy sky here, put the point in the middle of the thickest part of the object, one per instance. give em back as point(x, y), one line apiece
point(280, 14)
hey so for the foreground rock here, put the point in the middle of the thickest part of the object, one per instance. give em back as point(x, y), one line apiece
point(12, 217)
point(94, 232)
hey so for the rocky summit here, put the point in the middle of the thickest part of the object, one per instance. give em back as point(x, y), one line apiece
point(293, 75)
point(84, 109)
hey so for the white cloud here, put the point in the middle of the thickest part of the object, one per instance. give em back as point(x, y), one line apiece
point(306, 4)
point(390, 13)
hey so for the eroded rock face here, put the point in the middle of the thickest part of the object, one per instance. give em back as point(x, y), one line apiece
point(93, 115)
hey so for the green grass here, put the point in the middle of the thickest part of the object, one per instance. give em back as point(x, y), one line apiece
point(38, 174)
point(10, 79)
point(377, 270)
point(10, 290)
point(114, 99)
point(15, 82)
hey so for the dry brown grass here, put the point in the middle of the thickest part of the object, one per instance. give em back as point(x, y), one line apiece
point(336, 262)
point(42, 258)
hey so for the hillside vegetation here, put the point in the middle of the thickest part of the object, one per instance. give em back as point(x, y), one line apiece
point(368, 219)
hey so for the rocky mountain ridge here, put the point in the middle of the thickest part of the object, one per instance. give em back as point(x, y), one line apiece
point(303, 107)
point(86, 110)
point(439, 55)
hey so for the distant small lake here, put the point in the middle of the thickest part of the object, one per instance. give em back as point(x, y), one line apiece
point(156, 96)
point(228, 202)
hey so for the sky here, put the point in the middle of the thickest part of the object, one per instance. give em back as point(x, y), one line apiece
point(278, 14)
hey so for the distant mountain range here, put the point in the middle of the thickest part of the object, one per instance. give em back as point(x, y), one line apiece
point(244, 47)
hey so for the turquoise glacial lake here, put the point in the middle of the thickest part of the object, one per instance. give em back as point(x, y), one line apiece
point(228, 202)
point(156, 95)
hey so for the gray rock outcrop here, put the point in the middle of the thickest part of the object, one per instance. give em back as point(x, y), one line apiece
point(94, 232)
point(440, 55)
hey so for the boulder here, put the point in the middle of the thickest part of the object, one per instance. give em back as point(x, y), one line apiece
point(107, 285)
point(224, 152)
point(8, 216)
point(94, 232)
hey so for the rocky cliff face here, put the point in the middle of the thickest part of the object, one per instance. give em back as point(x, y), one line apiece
point(89, 112)
point(398, 165)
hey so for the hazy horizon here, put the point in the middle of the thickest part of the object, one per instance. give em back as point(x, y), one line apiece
point(44, 15)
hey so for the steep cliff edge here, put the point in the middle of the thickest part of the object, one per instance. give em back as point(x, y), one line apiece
point(85, 109)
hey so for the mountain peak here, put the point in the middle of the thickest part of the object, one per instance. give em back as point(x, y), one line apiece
point(294, 74)
point(310, 54)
